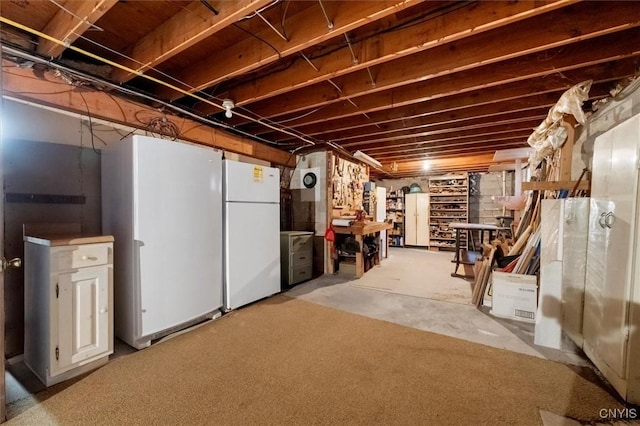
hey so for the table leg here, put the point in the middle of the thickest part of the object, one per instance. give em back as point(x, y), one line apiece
point(457, 255)
point(359, 257)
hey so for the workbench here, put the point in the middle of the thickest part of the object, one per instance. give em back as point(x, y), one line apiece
point(359, 230)
point(464, 256)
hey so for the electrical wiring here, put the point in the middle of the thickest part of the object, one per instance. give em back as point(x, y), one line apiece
point(284, 15)
point(141, 95)
point(115, 101)
point(158, 124)
point(92, 25)
point(148, 77)
point(261, 10)
point(298, 117)
point(93, 146)
point(94, 135)
point(208, 6)
point(262, 120)
point(259, 38)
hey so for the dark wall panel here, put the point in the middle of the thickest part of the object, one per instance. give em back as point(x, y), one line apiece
point(65, 180)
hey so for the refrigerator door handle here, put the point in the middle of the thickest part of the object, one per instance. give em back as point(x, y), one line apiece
point(601, 220)
point(609, 220)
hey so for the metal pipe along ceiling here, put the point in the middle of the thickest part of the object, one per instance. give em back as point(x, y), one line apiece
point(147, 77)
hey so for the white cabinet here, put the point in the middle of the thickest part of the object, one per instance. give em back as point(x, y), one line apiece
point(416, 217)
point(612, 291)
point(68, 305)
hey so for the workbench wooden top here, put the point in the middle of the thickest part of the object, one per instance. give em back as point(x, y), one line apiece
point(363, 228)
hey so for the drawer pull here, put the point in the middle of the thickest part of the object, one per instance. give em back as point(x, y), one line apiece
point(302, 257)
point(94, 258)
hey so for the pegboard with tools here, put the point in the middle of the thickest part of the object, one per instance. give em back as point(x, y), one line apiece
point(347, 184)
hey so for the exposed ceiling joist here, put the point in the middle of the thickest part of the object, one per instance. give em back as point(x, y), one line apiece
point(193, 24)
point(71, 21)
point(401, 80)
point(448, 24)
point(306, 29)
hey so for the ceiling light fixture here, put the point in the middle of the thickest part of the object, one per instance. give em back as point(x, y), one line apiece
point(366, 159)
point(228, 104)
point(426, 165)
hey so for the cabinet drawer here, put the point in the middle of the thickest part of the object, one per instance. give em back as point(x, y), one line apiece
point(83, 256)
point(299, 274)
point(301, 243)
point(300, 258)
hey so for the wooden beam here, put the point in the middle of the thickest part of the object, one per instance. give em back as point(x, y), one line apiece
point(412, 94)
point(409, 139)
point(193, 24)
point(374, 133)
point(306, 29)
point(461, 161)
point(418, 114)
point(555, 186)
point(479, 79)
point(451, 25)
point(469, 118)
point(566, 152)
point(23, 84)
point(450, 150)
point(67, 25)
point(518, 57)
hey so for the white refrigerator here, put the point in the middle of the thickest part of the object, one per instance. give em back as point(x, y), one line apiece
point(162, 201)
point(251, 233)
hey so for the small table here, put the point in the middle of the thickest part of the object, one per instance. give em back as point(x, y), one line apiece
point(359, 230)
point(463, 256)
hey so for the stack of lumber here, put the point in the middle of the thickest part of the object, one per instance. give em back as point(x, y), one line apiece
point(523, 250)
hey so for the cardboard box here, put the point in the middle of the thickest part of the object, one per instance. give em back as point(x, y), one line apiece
point(515, 296)
point(347, 268)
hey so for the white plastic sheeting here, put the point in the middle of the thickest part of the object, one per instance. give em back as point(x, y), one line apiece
point(550, 134)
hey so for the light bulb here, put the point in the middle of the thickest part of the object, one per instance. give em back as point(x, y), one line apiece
point(228, 104)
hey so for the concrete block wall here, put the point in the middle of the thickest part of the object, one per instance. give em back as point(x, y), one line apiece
point(490, 185)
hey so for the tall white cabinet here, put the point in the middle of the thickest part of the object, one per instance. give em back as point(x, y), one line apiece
point(68, 305)
point(416, 217)
point(611, 323)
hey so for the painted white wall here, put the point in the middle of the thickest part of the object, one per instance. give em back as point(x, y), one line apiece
point(24, 121)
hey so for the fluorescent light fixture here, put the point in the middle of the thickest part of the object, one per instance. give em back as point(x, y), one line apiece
point(366, 159)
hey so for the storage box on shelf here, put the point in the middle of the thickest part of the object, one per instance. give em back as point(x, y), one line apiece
point(449, 202)
point(395, 211)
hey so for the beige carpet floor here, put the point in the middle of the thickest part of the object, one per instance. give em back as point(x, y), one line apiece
point(287, 361)
point(418, 273)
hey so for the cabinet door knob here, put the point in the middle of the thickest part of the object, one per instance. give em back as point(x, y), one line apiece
point(103, 310)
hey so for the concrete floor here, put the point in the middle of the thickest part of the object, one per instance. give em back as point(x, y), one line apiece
point(440, 311)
